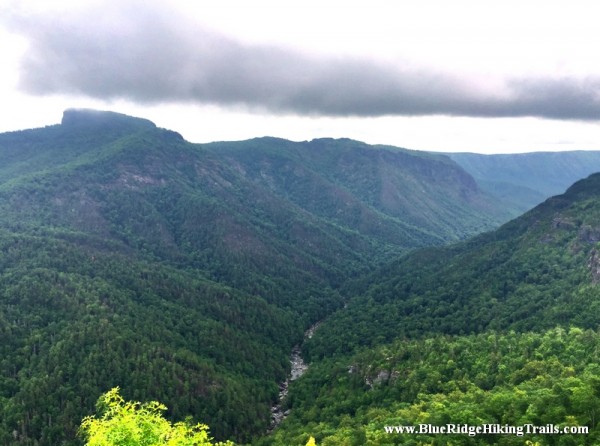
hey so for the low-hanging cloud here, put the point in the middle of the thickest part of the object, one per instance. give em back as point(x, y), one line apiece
point(154, 56)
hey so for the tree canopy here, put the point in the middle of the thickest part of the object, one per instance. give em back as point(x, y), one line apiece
point(129, 423)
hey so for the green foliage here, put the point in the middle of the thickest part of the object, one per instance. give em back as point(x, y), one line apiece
point(492, 378)
point(399, 353)
point(311, 442)
point(74, 322)
point(134, 424)
point(533, 273)
point(185, 273)
point(401, 197)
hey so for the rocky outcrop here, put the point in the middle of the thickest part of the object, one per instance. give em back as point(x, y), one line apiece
point(298, 367)
point(588, 234)
point(594, 265)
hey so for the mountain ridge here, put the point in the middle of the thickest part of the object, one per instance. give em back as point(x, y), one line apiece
point(186, 273)
point(524, 180)
point(130, 257)
point(510, 252)
point(500, 329)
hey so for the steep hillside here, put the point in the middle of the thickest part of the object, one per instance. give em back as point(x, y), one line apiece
point(494, 388)
point(532, 273)
point(77, 317)
point(384, 193)
point(185, 273)
point(524, 180)
point(323, 208)
point(500, 329)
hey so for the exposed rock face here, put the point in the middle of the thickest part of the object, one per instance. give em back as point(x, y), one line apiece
point(560, 222)
point(588, 234)
point(382, 376)
point(594, 265)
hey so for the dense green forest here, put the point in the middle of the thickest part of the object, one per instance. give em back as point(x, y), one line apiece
point(514, 379)
point(75, 322)
point(499, 329)
point(533, 273)
point(186, 273)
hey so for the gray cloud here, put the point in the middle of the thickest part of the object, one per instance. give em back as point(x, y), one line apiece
point(153, 56)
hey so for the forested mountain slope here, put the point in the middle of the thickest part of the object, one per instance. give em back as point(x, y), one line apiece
point(524, 180)
point(536, 387)
point(500, 329)
point(185, 273)
point(532, 273)
point(402, 197)
point(308, 203)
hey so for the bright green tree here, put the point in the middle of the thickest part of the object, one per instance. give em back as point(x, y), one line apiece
point(127, 423)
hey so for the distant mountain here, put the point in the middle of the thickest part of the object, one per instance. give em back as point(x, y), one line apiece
point(404, 198)
point(262, 202)
point(185, 273)
point(532, 273)
point(501, 330)
point(524, 180)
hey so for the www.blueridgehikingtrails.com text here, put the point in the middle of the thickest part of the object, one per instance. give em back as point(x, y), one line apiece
point(487, 429)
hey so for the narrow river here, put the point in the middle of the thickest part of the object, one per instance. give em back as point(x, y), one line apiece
point(298, 367)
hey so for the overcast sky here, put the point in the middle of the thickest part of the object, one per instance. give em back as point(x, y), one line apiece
point(482, 76)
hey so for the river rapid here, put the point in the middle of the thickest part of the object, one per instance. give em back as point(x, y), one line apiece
point(298, 367)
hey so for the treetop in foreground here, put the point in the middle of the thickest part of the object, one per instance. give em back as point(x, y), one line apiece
point(128, 423)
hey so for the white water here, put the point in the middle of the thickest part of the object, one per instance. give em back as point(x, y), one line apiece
point(298, 367)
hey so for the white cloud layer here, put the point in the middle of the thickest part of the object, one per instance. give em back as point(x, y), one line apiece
point(157, 56)
point(318, 65)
